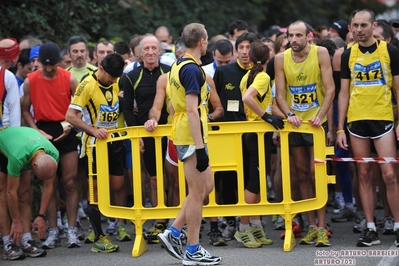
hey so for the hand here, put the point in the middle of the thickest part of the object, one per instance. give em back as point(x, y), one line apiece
point(275, 121)
point(142, 148)
point(150, 125)
point(330, 138)
point(202, 160)
point(16, 231)
point(47, 136)
point(341, 141)
point(316, 121)
point(39, 224)
point(276, 139)
point(67, 130)
point(100, 133)
point(294, 120)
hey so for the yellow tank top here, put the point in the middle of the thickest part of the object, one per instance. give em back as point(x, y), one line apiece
point(371, 83)
point(261, 84)
point(305, 91)
point(181, 134)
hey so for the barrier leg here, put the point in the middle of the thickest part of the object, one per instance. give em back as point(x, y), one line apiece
point(289, 239)
point(140, 245)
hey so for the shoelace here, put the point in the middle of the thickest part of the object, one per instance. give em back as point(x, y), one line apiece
point(106, 240)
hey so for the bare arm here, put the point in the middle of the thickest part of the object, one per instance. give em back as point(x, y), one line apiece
point(13, 207)
point(75, 119)
point(73, 84)
point(343, 101)
point(26, 103)
point(328, 82)
point(159, 101)
point(217, 106)
point(248, 99)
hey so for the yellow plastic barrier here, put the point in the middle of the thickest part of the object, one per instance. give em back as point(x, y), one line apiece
point(225, 151)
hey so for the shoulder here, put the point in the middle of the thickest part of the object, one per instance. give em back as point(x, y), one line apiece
point(91, 67)
point(166, 60)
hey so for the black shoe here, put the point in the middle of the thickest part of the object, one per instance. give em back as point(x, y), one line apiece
point(397, 237)
point(368, 238)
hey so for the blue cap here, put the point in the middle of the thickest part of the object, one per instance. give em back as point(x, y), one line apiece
point(34, 52)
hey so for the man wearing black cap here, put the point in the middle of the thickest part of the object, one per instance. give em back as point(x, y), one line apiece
point(97, 99)
point(338, 29)
point(49, 92)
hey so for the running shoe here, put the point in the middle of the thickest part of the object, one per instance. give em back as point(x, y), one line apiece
point(344, 215)
point(31, 250)
point(228, 230)
point(122, 234)
point(396, 237)
point(260, 235)
point(322, 238)
point(104, 245)
point(52, 240)
point(13, 252)
point(91, 237)
point(388, 226)
point(200, 257)
point(216, 239)
point(279, 224)
point(310, 237)
point(171, 244)
point(151, 234)
point(338, 205)
point(111, 229)
point(72, 238)
point(369, 238)
point(296, 229)
point(79, 232)
point(359, 223)
point(247, 239)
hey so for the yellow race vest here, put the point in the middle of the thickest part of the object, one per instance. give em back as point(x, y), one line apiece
point(371, 83)
point(181, 134)
point(305, 91)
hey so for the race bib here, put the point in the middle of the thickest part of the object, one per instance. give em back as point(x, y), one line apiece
point(370, 75)
point(304, 97)
point(108, 116)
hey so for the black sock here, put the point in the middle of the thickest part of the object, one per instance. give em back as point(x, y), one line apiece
point(214, 226)
point(95, 220)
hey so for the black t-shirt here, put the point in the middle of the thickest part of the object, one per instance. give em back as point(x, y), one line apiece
point(393, 55)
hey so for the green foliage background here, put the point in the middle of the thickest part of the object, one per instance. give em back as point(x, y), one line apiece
point(57, 20)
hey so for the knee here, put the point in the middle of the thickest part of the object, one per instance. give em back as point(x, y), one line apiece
point(23, 198)
point(389, 178)
point(69, 184)
point(117, 184)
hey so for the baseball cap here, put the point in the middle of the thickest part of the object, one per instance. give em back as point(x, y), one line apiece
point(341, 26)
point(49, 53)
point(9, 49)
point(34, 52)
point(395, 24)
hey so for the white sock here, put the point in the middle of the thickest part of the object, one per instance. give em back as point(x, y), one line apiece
point(25, 238)
point(244, 227)
point(372, 226)
point(255, 223)
point(6, 242)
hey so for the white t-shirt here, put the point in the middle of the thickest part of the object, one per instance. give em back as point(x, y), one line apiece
point(11, 105)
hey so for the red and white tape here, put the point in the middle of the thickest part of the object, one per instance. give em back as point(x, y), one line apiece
point(360, 160)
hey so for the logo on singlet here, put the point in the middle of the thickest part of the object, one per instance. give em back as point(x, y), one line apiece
point(301, 77)
point(229, 86)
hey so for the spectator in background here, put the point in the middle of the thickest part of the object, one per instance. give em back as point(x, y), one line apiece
point(66, 60)
point(34, 57)
point(77, 49)
point(236, 28)
point(338, 29)
point(164, 36)
point(24, 66)
point(29, 41)
point(123, 49)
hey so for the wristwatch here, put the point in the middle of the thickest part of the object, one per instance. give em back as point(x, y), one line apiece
point(290, 114)
point(210, 117)
point(42, 216)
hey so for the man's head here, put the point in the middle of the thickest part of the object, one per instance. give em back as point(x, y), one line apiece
point(110, 69)
point(195, 35)
point(163, 35)
point(49, 58)
point(383, 31)
point(28, 42)
point(44, 166)
point(102, 49)
point(77, 48)
point(222, 52)
point(180, 49)
point(298, 35)
point(338, 29)
point(9, 52)
point(24, 66)
point(242, 45)
point(149, 49)
point(34, 57)
point(123, 49)
point(363, 25)
point(236, 28)
point(66, 59)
